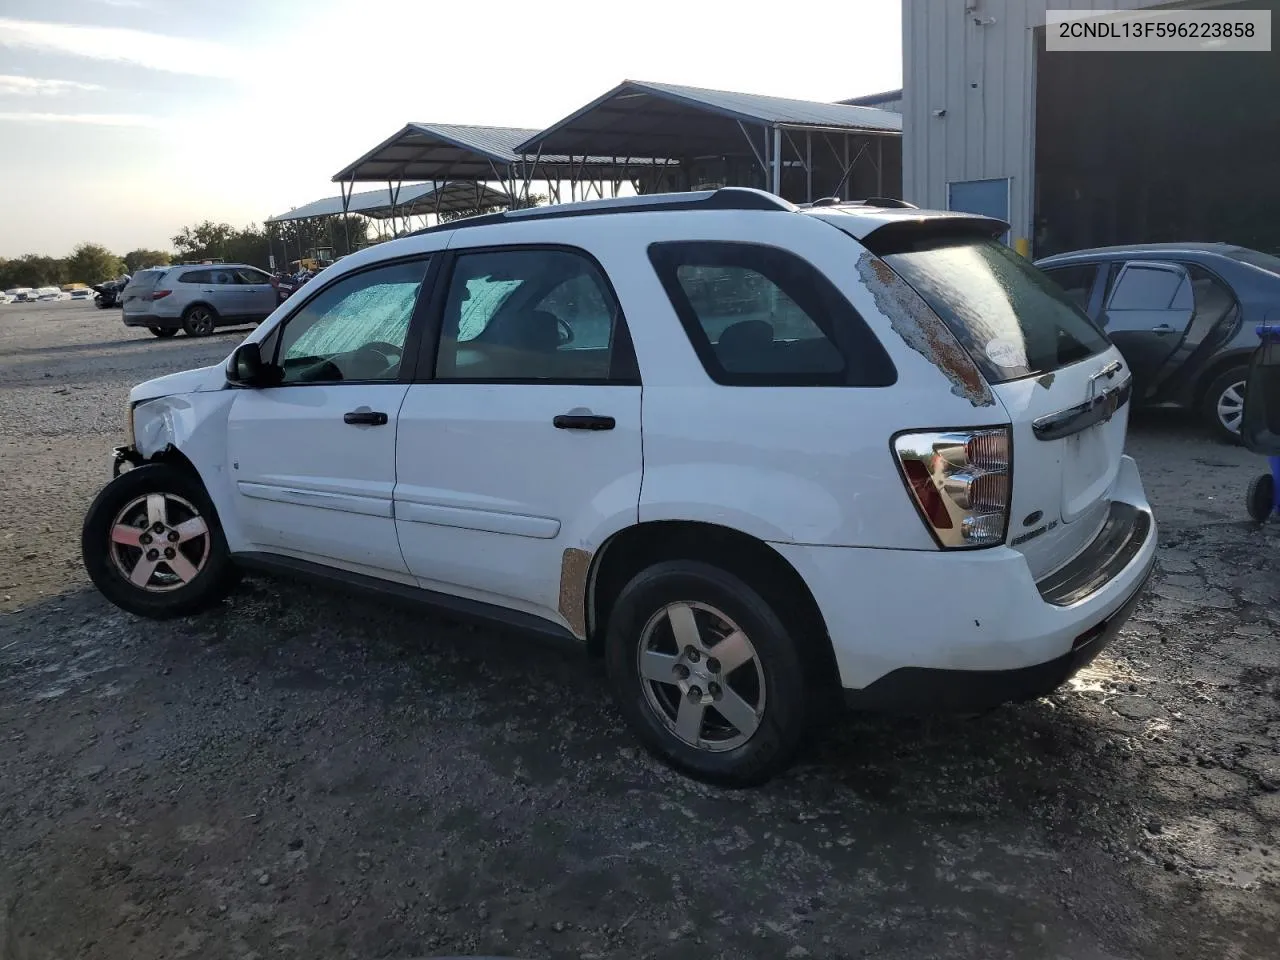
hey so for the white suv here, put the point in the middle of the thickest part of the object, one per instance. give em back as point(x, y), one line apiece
point(753, 455)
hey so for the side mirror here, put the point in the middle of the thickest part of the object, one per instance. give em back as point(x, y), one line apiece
point(246, 367)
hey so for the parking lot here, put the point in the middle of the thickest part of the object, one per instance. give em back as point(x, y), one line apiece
point(304, 774)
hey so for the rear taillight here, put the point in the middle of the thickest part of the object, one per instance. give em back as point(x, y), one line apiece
point(160, 294)
point(960, 481)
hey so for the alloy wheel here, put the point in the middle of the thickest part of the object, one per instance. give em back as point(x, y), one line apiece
point(1231, 406)
point(702, 676)
point(159, 542)
point(200, 322)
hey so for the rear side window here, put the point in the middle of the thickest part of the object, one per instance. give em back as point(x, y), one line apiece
point(1076, 282)
point(195, 276)
point(1010, 317)
point(761, 316)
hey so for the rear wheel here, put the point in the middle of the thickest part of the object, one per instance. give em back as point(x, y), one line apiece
point(1260, 500)
point(152, 544)
point(199, 321)
point(1223, 404)
point(706, 673)
point(162, 332)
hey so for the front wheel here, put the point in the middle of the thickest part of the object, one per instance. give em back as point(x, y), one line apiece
point(1223, 404)
point(152, 544)
point(706, 673)
point(162, 332)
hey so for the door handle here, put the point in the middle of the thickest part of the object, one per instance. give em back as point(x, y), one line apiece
point(371, 418)
point(583, 421)
point(1162, 329)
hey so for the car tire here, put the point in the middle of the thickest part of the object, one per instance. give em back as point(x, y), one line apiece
point(199, 320)
point(678, 717)
point(1260, 498)
point(177, 567)
point(162, 332)
point(1223, 405)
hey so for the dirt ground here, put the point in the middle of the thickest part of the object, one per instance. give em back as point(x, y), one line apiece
point(302, 774)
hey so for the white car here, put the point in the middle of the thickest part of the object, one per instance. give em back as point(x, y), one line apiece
point(754, 455)
point(49, 293)
point(81, 293)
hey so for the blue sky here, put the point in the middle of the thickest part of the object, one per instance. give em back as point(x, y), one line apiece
point(123, 120)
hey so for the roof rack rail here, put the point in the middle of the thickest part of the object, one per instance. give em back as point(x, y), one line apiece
point(889, 202)
point(724, 198)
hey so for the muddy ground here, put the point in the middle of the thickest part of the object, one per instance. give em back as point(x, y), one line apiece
point(301, 774)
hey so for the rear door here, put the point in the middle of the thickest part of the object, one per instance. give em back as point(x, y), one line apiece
point(136, 296)
point(1065, 387)
point(1147, 314)
point(521, 437)
point(222, 291)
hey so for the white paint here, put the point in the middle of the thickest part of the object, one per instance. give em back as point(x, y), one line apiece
point(470, 490)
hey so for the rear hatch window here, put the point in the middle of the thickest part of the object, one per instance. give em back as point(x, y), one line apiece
point(1011, 318)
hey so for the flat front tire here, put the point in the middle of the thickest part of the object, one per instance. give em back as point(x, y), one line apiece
point(151, 543)
point(706, 673)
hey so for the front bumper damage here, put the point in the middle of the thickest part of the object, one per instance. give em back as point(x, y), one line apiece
point(122, 455)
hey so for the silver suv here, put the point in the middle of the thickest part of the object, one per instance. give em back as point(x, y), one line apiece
point(197, 298)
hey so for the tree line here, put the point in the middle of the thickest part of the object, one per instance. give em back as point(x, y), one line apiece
point(281, 244)
point(93, 263)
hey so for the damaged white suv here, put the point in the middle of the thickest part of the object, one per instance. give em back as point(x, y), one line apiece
point(753, 455)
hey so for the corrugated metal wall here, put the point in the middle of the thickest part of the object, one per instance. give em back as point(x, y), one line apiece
point(974, 59)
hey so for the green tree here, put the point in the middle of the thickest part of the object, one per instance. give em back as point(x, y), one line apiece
point(92, 263)
point(32, 270)
point(140, 259)
point(203, 241)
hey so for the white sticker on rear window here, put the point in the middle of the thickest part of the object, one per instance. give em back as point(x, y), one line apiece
point(1006, 353)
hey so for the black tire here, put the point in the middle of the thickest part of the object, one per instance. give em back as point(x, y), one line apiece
point(162, 332)
point(1218, 391)
point(1260, 500)
point(781, 726)
point(105, 559)
point(199, 320)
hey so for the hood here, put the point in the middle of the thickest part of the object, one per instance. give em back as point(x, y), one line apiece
point(200, 380)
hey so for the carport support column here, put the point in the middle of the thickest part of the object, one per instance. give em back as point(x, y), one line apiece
point(346, 221)
point(777, 161)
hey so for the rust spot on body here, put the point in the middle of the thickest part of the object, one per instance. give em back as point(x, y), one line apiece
point(575, 564)
point(922, 330)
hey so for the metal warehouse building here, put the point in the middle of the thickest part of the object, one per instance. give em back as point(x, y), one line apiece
point(1082, 149)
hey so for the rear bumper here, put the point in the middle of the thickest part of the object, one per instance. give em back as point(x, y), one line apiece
point(916, 630)
point(932, 690)
point(151, 320)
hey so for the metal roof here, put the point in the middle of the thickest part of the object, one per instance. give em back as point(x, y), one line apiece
point(874, 99)
point(643, 119)
point(413, 199)
point(459, 151)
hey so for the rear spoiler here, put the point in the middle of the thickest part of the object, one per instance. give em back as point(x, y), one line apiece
point(917, 233)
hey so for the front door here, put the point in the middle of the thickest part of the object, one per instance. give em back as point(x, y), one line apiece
point(525, 442)
point(1147, 315)
point(255, 288)
point(313, 459)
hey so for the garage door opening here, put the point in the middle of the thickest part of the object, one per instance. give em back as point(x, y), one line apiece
point(1155, 147)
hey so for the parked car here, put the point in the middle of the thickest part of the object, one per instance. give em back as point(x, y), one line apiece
point(20, 294)
point(882, 458)
point(50, 293)
point(197, 298)
point(1183, 314)
point(81, 293)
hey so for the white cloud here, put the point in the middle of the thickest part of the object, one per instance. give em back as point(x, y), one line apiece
point(124, 3)
point(95, 119)
point(10, 83)
point(138, 47)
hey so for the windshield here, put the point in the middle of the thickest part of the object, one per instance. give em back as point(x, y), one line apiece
point(1011, 318)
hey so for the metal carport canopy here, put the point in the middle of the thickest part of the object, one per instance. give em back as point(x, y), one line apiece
point(409, 200)
point(662, 120)
point(451, 151)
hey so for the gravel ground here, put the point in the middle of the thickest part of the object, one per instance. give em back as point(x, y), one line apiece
point(300, 774)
